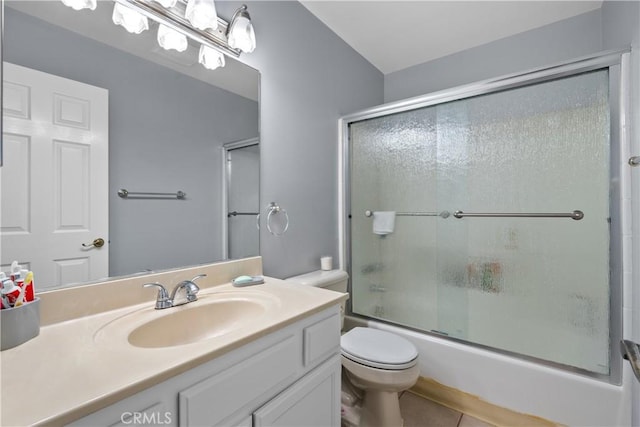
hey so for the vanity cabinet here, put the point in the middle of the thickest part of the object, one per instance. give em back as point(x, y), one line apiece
point(312, 401)
point(290, 377)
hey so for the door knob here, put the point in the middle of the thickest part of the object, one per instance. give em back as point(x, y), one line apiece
point(98, 243)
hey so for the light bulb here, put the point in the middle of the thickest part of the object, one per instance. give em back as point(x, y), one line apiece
point(131, 20)
point(80, 4)
point(210, 58)
point(171, 39)
point(242, 35)
point(202, 14)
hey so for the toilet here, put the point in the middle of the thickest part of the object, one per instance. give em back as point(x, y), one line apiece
point(379, 363)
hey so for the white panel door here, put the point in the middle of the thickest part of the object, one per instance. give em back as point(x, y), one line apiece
point(54, 180)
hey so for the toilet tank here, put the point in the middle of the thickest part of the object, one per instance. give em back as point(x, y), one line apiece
point(334, 280)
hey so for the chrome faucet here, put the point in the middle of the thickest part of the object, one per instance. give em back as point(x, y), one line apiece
point(183, 293)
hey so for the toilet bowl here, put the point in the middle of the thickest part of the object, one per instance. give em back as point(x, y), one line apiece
point(382, 364)
point(379, 363)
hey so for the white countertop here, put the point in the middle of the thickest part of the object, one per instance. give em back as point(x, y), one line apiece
point(71, 369)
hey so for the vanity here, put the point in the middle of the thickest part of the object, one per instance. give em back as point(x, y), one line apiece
point(263, 355)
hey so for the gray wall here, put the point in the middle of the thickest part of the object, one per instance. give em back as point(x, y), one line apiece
point(165, 134)
point(555, 42)
point(620, 24)
point(309, 78)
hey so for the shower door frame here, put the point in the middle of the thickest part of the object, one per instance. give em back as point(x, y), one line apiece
point(617, 63)
point(226, 181)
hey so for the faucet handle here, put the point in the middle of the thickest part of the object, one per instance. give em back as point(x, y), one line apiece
point(191, 292)
point(199, 276)
point(163, 300)
point(192, 289)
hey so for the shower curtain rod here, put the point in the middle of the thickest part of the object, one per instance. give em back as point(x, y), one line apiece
point(577, 214)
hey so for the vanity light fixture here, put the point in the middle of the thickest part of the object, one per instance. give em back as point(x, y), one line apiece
point(240, 33)
point(202, 14)
point(182, 19)
point(81, 4)
point(210, 58)
point(171, 39)
point(167, 3)
point(131, 20)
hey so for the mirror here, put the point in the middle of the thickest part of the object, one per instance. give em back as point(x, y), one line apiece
point(164, 120)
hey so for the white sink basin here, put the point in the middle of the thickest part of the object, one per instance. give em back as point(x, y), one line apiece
point(211, 316)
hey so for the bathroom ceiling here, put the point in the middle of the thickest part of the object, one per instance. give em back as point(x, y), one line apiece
point(394, 35)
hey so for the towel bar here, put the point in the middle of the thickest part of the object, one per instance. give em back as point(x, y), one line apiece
point(631, 351)
point(443, 214)
point(126, 194)
point(577, 215)
point(236, 213)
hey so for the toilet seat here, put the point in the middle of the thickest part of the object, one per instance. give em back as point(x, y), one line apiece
point(378, 349)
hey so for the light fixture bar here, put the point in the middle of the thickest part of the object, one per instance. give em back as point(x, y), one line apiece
point(175, 20)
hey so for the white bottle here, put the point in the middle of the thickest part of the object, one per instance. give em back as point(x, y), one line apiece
point(10, 291)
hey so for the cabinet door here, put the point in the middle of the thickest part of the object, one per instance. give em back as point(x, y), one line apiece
point(251, 381)
point(312, 401)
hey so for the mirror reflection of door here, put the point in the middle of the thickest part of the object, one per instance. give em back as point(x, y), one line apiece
point(55, 177)
point(242, 183)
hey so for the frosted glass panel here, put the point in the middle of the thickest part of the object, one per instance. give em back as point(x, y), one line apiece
point(533, 286)
point(394, 169)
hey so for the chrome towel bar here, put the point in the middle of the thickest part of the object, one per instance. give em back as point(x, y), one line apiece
point(443, 214)
point(577, 215)
point(126, 194)
point(236, 213)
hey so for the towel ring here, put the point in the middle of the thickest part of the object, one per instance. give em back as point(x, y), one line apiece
point(275, 208)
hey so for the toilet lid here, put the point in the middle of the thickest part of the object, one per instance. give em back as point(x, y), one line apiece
point(378, 349)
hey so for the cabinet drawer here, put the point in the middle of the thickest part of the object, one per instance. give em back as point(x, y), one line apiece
point(215, 398)
point(321, 340)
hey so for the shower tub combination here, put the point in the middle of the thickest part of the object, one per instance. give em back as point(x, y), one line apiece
point(504, 264)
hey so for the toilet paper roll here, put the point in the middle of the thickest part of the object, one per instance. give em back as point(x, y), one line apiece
point(326, 263)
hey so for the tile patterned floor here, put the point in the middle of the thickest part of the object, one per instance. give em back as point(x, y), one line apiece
point(419, 412)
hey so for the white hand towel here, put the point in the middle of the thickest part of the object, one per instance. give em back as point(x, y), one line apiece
point(384, 222)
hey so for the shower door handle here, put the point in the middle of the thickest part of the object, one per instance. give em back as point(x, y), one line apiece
point(631, 351)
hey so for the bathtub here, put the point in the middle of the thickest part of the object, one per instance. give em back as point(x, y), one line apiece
point(519, 385)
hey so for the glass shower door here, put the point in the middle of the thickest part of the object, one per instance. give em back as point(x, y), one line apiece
point(393, 169)
point(243, 183)
point(534, 286)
